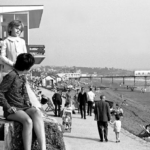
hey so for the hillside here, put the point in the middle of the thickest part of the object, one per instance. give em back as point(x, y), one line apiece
point(105, 71)
point(84, 70)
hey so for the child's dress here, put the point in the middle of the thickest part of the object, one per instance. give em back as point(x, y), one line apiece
point(117, 126)
point(67, 121)
point(67, 118)
point(12, 47)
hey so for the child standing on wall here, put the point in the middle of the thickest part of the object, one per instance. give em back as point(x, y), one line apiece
point(117, 127)
point(13, 45)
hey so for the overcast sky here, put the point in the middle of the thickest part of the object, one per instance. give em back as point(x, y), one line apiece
point(93, 33)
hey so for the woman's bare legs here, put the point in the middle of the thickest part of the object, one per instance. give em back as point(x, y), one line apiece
point(26, 121)
point(38, 125)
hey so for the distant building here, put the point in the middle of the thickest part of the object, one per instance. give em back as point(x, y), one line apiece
point(84, 75)
point(62, 76)
point(66, 76)
point(57, 78)
point(94, 74)
point(142, 73)
point(48, 81)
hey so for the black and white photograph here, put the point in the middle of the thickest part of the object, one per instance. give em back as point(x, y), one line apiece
point(74, 74)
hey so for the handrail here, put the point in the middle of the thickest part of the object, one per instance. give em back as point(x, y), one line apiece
point(36, 49)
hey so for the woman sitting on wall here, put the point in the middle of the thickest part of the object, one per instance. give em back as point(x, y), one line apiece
point(16, 103)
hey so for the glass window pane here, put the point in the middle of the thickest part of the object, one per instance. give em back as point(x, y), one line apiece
point(8, 18)
point(21, 17)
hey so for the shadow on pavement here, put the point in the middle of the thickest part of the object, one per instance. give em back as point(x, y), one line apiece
point(85, 138)
point(77, 117)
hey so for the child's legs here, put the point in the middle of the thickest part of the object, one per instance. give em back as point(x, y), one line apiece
point(117, 136)
point(26, 121)
point(38, 125)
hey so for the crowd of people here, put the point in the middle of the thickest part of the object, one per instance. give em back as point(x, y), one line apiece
point(84, 102)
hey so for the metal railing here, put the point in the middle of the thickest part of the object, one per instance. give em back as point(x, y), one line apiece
point(36, 49)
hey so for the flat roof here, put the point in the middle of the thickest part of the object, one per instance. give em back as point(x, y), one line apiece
point(35, 12)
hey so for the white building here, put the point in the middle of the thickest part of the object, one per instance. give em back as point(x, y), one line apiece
point(57, 78)
point(43, 82)
point(142, 73)
point(48, 81)
point(84, 75)
point(66, 76)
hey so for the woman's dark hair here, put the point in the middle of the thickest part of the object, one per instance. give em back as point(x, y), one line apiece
point(14, 23)
point(24, 62)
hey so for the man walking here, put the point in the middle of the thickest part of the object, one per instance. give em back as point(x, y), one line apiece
point(90, 96)
point(102, 116)
point(82, 99)
point(57, 100)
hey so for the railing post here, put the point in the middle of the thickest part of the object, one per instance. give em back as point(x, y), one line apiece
point(91, 80)
point(134, 81)
point(145, 81)
point(123, 81)
point(28, 49)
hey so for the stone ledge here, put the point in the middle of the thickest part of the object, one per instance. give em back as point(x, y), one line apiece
point(13, 136)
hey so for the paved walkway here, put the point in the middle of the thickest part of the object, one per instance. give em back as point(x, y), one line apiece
point(84, 135)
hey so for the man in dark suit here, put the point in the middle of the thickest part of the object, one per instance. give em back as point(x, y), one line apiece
point(82, 99)
point(102, 116)
point(57, 100)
